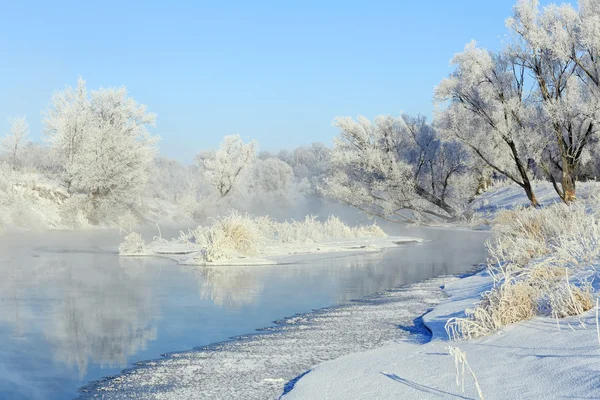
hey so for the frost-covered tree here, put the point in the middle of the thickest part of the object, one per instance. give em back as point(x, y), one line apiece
point(14, 142)
point(117, 150)
point(170, 179)
point(490, 111)
point(271, 177)
point(103, 140)
point(38, 157)
point(559, 48)
point(311, 164)
point(224, 168)
point(393, 165)
point(65, 123)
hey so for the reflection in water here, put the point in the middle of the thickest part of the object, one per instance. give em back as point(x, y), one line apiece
point(229, 287)
point(79, 308)
point(104, 316)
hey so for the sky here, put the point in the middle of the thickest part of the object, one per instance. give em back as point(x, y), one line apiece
point(277, 72)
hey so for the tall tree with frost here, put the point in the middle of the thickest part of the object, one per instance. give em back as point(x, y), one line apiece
point(14, 141)
point(65, 123)
point(224, 168)
point(490, 111)
point(117, 150)
point(393, 165)
point(103, 141)
point(559, 47)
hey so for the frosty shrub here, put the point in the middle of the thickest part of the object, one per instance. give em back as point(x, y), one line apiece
point(74, 211)
point(507, 303)
point(132, 245)
point(234, 232)
point(567, 300)
point(245, 234)
point(530, 262)
point(568, 233)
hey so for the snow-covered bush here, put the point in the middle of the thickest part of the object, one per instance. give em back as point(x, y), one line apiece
point(133, 244)
point(245, 234)
point(530, 262)
point(235, 232)
point(570, 233)
point(509, 302)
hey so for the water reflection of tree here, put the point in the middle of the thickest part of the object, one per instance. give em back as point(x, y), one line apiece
point(87, 306)
point(229, 287)
point(105, 314)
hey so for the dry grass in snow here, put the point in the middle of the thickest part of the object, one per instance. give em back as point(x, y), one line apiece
point(530, 262)
point(244, 234)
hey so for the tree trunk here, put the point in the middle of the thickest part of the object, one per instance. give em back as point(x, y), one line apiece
point(568, 181)
point(524, 175)
point(435, 201)
point(530, 195)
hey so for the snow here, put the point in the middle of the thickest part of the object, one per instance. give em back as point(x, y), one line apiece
point(509, 196)
point(532, 359)
point(280, 253)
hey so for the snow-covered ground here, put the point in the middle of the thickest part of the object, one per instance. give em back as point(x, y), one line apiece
point(535, 359)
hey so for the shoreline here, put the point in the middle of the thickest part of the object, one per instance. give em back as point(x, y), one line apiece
point(400, 306)
point(534, 359)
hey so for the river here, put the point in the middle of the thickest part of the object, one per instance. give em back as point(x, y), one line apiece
point(73, 311)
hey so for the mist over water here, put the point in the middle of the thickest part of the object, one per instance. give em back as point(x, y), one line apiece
point(72, 310)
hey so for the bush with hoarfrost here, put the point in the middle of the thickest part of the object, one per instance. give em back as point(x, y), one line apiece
point(530, 262)
point(245, 234)
point(235, 232)
point(133, 244)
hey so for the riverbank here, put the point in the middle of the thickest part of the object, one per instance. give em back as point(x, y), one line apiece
point(530, 319)
point(535, 359)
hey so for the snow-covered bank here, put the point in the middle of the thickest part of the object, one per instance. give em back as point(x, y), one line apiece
point(532, 359)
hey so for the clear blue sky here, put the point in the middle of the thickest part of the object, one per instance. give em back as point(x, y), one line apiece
point(277, 72)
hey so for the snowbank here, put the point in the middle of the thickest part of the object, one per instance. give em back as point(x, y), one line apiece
point(535, 359)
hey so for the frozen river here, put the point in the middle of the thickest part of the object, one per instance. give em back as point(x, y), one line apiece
point(72, 311)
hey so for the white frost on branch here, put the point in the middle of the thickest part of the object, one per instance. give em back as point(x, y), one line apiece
point(393, 165)
point(224, 168)
point(13, 143)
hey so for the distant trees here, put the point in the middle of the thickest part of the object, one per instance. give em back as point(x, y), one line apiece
point(392, 165)
point(103, 141)
point(224, 168)
point(272, 178)
point(14, 142)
